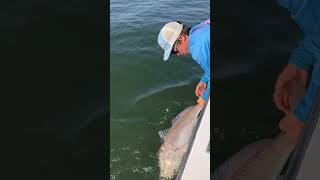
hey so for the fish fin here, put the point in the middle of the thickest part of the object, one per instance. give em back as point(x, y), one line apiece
point(180, 115)
point(163, 133)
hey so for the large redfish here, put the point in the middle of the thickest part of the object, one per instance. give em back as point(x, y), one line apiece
point(175, 141)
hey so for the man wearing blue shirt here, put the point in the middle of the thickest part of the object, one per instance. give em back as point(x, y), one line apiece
point(293, 94)
point(175, 38)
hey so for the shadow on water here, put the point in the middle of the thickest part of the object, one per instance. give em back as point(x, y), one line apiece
point(169, 101)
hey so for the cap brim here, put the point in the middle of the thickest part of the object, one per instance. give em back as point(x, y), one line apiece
point(167, 54)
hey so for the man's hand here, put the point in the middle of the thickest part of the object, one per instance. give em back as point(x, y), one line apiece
point(289, 77)
point(292, 127)
point(200, 89)
point(201, 102)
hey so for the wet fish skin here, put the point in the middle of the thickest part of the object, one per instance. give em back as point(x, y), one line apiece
point(176, 141)
point(262, 160)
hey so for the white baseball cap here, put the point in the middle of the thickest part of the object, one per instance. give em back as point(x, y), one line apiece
point(168, 36)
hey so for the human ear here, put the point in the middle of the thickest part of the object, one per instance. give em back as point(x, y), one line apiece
point(182, 37)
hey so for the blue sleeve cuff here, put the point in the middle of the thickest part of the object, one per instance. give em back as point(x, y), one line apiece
point(204, 78)
point(207, 92)
point(301, 55)
point(301, 111)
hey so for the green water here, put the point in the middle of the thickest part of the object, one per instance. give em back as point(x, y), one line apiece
point(146, 92)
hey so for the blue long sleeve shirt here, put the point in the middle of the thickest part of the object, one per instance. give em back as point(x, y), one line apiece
point(199, 48)
point(306, 14)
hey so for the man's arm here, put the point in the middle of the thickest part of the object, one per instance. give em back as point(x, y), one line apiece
point(303, 107)
point(207, 92)
point(205, 78)
point(302, 56)
point(293, 123)
point(301, 63)
point(307, 56)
